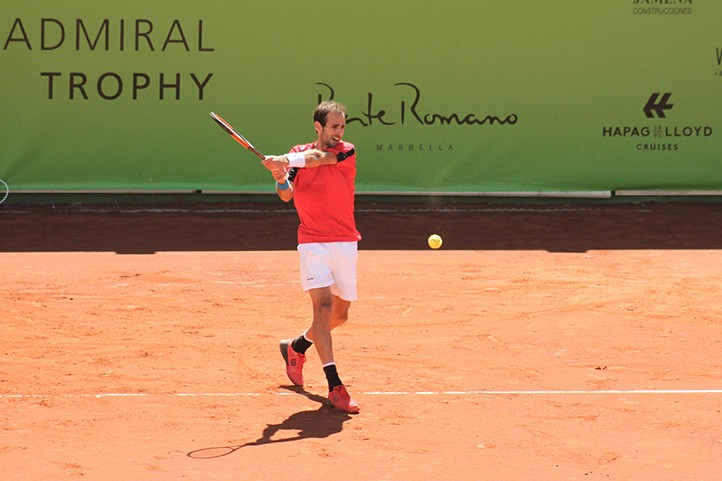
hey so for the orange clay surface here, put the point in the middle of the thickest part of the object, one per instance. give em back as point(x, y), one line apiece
point(548, 342)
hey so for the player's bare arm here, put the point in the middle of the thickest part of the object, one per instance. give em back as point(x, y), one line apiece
point(310, 158)
point(315, 158)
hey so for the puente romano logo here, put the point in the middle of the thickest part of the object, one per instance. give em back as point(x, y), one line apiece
point(407, 109)
point(662, 7)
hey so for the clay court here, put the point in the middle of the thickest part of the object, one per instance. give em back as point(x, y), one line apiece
point(548, 342)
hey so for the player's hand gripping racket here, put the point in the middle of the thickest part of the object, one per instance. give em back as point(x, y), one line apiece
point(235, 135)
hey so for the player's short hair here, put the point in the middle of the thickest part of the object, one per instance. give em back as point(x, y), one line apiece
point(324, 108)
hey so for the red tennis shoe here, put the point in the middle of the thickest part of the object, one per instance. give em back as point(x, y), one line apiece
point(294, 362)
point(342, 401)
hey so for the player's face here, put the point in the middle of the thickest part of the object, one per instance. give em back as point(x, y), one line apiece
point(331, 134)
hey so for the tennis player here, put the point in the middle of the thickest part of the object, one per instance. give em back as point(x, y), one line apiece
point(319, 177)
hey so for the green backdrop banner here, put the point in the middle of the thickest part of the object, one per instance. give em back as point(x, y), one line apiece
point(460, 96)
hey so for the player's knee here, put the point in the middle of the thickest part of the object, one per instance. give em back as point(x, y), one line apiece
point(324, 307)
point(322, 312)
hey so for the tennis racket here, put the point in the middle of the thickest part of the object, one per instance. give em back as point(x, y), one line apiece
point(235, 135)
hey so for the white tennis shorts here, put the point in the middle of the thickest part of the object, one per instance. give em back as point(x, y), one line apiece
point(330, 264)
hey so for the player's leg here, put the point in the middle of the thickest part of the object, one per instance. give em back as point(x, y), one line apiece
point(330, 311)
point(343, 291)
point(320, 331)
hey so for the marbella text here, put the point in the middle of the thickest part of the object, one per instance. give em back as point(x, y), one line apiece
point(142, 36)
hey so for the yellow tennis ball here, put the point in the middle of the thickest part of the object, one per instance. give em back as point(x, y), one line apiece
point(435, 241)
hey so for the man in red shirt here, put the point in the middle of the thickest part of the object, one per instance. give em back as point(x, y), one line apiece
point(319, 177)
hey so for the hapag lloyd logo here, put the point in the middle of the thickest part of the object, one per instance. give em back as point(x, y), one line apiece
point(659, 106)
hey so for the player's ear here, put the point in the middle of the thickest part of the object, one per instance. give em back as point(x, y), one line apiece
point(317, 126)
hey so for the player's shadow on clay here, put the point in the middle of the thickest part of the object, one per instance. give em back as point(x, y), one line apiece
point(320, 423)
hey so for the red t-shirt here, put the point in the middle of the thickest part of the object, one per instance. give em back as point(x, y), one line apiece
point(324, 199)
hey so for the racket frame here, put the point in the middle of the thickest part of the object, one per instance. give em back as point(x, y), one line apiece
point(235, 135)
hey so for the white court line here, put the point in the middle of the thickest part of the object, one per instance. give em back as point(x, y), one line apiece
point(543, 392)
point(377, 393)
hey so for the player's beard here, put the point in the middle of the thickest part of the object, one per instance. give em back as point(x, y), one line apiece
point(327, 141)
